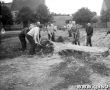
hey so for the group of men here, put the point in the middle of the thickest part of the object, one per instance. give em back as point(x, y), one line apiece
point(73, 30)
point(33, 34)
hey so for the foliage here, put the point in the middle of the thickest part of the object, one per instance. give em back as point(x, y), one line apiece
point(6, 16)
point(95, 19)
point(83, 16)
point(105, 16)
point(25, 16)
point(43, 15)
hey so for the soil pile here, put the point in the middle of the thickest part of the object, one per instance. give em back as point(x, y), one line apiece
point(46, 47)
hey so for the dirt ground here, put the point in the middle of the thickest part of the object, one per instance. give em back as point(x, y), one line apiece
point(60, 71)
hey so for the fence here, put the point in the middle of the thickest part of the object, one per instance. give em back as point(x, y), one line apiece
point(13, 27)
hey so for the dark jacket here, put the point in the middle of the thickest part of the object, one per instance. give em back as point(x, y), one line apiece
point(89, 30)
point(24, 31)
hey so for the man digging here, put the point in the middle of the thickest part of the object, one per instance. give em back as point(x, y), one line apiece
point(33, 38)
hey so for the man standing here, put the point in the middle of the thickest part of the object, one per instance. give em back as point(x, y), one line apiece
point(33, 38)
point(69, 25)
point(89, 31)
point(22, 36)
point(51, 32)
point(75, 33)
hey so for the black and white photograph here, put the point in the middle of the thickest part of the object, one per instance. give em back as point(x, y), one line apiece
point(54, 44)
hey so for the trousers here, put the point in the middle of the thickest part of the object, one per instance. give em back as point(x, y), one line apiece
point(89, 40)
point(32, 44)
point(23, 41)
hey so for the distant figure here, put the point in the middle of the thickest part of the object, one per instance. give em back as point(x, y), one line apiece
point(89, 31)
point(33, 38)
point(75, 33)
point(51, 32)
point(69, 25)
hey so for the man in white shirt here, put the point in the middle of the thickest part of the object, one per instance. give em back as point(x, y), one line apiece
point(51, 32)
point(33, 37)
point(69, 25)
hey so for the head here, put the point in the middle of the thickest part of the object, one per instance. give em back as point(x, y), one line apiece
point(31, 26)
point(69, 22)
point(89, 24)
point(73, 22)
point(38, 24)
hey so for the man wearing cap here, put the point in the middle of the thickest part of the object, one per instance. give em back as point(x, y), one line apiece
point(33, 37)
point(89, 32)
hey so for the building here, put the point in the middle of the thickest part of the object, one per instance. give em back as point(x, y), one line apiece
point(105, 5)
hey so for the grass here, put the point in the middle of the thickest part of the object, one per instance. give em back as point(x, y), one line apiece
point(9, 34)
point(10, 49)
point(60, 20)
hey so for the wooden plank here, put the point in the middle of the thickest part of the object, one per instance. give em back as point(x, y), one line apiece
point(63, 46)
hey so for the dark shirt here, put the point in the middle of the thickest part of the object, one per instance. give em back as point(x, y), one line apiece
point(89, 30)
point(24, 31)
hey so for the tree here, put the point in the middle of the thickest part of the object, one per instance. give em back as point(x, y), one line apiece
point(105, 16)
point(43, 15)
point(83, 16)
point(25, 16)
point(95, 19)
point(5, 16)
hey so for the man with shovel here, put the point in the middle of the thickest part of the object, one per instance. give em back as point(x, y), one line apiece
point(33, 38)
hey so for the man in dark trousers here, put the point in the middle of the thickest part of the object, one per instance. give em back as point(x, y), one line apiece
point(89, 31)
point(22, 37)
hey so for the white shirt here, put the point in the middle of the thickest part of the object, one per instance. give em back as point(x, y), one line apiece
point(69, 26)
point(34, 32)
point(50, 28)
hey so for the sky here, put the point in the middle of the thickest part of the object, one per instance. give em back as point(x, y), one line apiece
point(71, 6)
